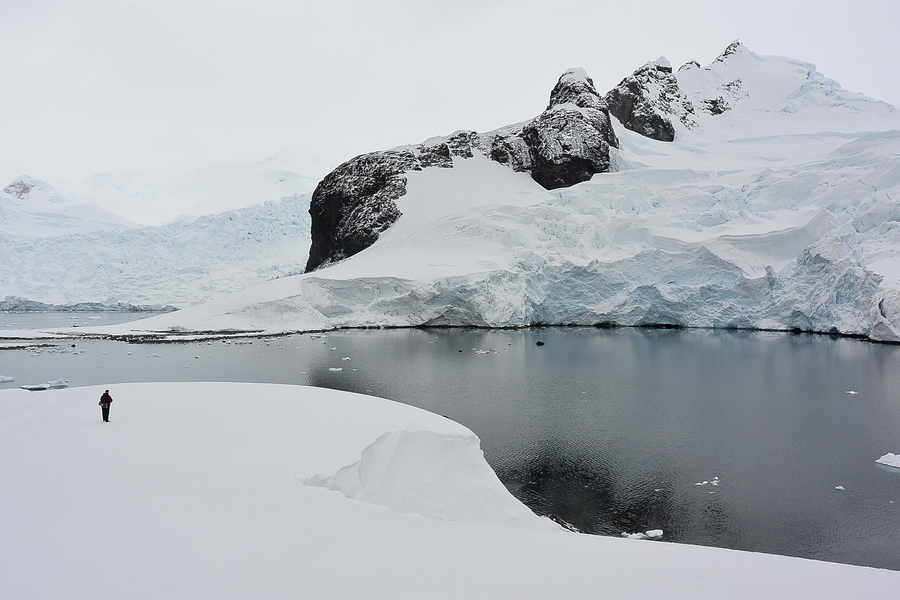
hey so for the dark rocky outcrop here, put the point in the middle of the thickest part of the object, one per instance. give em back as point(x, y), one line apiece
point(568, 143)
point(732, 48)
point(355, 203)
point(18, 188)
point(646, 101)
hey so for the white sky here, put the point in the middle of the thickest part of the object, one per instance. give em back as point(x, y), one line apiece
point(93, 85)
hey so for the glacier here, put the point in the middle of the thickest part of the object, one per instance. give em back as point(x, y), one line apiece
point(775, 206)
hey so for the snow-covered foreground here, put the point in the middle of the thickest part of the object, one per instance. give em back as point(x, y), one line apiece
point(219, 490)
point(783, 212)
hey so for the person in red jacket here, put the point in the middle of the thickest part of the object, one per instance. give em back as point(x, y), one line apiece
point(105, 401)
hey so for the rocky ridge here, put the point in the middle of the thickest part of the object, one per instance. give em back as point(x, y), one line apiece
point(647, 100)
point(566, 144)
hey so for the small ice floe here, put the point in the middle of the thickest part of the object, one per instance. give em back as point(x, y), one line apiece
point(56, 384)
point(346, 358)
point(851, 392)
point(653, 534)
point(335, 369)
point(333, 348)
point(196, 357)
point(891, 460)
point(715, 481)
point(6, 379)
point(839, 487)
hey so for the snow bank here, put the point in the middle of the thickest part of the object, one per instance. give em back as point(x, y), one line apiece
point(197, 490)
point(437, 476)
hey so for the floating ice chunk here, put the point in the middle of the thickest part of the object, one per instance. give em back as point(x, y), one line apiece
point(652, 534)
point(6, 379)
point(334, 369)
point(891, 460)
point(56, 384)
point(852, 392)
point(839, 487)
point(333, 348)
point(715, 481)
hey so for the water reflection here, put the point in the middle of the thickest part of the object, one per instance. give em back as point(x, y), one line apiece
point(612, 430)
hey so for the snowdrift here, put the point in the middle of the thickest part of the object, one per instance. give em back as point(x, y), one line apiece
point(218, 490)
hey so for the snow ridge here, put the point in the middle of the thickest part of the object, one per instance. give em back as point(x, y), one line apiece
point(438, 476)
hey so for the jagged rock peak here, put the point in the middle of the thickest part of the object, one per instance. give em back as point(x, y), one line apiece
point(645, 101)
point(20, 188)
point(691, 64)
point(566, 144)
point(575, 87)
point(733, 48)
point(660, 64)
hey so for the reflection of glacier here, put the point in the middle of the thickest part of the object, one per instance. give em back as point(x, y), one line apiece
point(776, 207)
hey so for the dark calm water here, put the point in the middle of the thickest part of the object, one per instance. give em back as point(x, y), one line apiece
point(609, 429)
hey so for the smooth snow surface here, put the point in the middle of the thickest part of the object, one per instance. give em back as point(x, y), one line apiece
point(782, 212)
point(215, 490)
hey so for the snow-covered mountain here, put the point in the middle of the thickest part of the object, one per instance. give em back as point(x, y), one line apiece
point(31, 209)
point(753, 192)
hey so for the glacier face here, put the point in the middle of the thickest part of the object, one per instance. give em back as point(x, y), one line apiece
point(775, 206)
point(181, 263)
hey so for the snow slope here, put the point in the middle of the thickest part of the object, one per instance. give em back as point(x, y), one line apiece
point(219, 490)
point(31, 209)
point(777, 206)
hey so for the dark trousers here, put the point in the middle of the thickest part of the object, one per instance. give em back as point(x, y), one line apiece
point(105, 408)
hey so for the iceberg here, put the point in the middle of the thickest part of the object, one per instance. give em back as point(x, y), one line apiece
point(56, 384)
point(890, 460)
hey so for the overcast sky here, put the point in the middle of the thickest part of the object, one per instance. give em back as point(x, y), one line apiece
point(93, 85)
